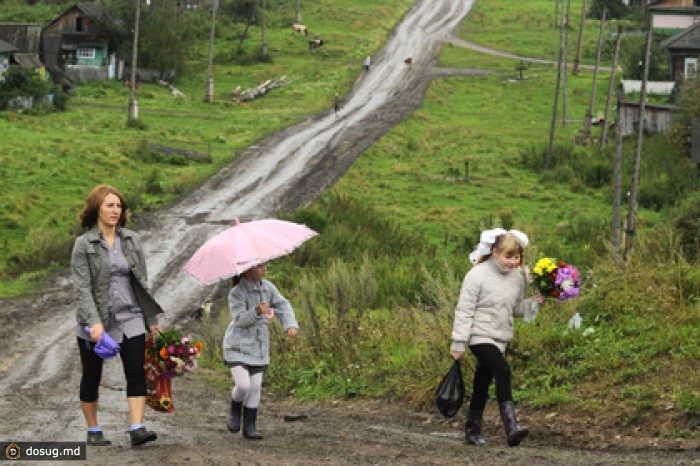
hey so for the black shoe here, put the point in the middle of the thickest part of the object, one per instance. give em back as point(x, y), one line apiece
point(249, 430)
point(234, 416)
point(97, 438)
point(141, 436)
point(514, 432)
point(472, 428)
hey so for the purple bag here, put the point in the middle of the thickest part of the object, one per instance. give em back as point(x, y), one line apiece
point(106, 348)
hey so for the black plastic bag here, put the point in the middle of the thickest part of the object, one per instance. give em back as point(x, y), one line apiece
point(449, 395)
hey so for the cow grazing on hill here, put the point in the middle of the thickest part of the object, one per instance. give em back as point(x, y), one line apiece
point(315, 44)
point(299, 29)
point(408, 61)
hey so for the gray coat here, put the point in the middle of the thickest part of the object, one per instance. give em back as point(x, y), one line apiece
point(247, 339)
point(90, 270)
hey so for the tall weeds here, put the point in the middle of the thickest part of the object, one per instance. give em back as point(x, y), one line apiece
point(374, 322)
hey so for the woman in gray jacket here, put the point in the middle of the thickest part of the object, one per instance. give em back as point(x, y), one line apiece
point(109, 278)
point(493, 293)
point(252, 302)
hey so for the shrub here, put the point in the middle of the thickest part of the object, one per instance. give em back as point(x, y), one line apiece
point(46, 246)
point(686, 221)
point(153, 185)
point(616, 9)
point(136, 124)
point(60, 99)
point(22, 83)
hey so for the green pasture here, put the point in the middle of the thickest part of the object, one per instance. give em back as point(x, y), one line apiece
point(532, 30)
point(375, 291)
point(49, 162)
point(417, 172)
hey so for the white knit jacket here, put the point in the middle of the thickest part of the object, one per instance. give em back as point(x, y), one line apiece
point(490, 299)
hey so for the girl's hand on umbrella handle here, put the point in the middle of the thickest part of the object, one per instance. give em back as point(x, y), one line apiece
point(292, 331)
point(262, 308)
point(456, 355)
point(96, 331)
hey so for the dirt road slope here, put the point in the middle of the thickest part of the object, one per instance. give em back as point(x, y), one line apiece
point(39, 370)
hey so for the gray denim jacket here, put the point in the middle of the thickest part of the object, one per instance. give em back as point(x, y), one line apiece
point(90, 271)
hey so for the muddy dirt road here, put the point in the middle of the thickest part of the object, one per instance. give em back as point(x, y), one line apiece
point(40, 368)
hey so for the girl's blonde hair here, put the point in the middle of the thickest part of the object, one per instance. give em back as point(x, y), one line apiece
point(507, 244)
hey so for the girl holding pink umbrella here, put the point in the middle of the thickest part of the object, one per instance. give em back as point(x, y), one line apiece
point(242, 251)
point(252, 302)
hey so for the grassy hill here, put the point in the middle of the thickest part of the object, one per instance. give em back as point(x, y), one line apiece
point(375, 292)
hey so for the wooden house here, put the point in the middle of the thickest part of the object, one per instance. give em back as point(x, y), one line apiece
point(684, 51)
point(79, 44)
point(25, 36)
point(672, 16)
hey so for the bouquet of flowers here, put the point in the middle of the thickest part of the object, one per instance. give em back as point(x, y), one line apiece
point(175, 354)
point(558, 280)
point(168, 355)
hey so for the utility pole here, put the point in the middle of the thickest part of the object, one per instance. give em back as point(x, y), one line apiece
point(133, 103)
point(548, 158)
point(580, 36)
point(611, 89)
point(565, 69)
point(209, 96)
point(617, 188)
point(263, 46)
point(632, 214)
point(297, 18)
point(591, 107)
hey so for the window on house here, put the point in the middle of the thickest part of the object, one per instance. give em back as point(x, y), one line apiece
point(86, 54)
point(690, 68)
point(79, 26)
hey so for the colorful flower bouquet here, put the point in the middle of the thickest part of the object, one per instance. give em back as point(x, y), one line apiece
point(168, 355)
point(558, 280)
point(175, 354)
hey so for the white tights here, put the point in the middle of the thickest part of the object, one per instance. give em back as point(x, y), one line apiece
point(247, 387)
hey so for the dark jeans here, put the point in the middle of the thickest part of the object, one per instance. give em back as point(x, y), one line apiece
point(132, 355)
point(490, 363)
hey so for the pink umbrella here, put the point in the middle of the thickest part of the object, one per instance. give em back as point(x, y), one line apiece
point(243, 246)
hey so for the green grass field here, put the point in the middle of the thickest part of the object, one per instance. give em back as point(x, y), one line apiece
point(375, 291)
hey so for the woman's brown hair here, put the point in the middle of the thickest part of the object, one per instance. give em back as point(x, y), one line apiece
point(88, 216)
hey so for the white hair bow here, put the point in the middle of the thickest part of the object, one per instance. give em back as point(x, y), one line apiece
point(488, 238)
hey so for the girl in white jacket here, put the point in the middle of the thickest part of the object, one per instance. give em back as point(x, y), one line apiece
point(493, 293)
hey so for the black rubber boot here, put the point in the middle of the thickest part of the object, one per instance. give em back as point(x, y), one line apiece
point(234, 416)
point(472, 428)
point(514, 433)
point(141, 436)
point(249, 429)
point(97, 438)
